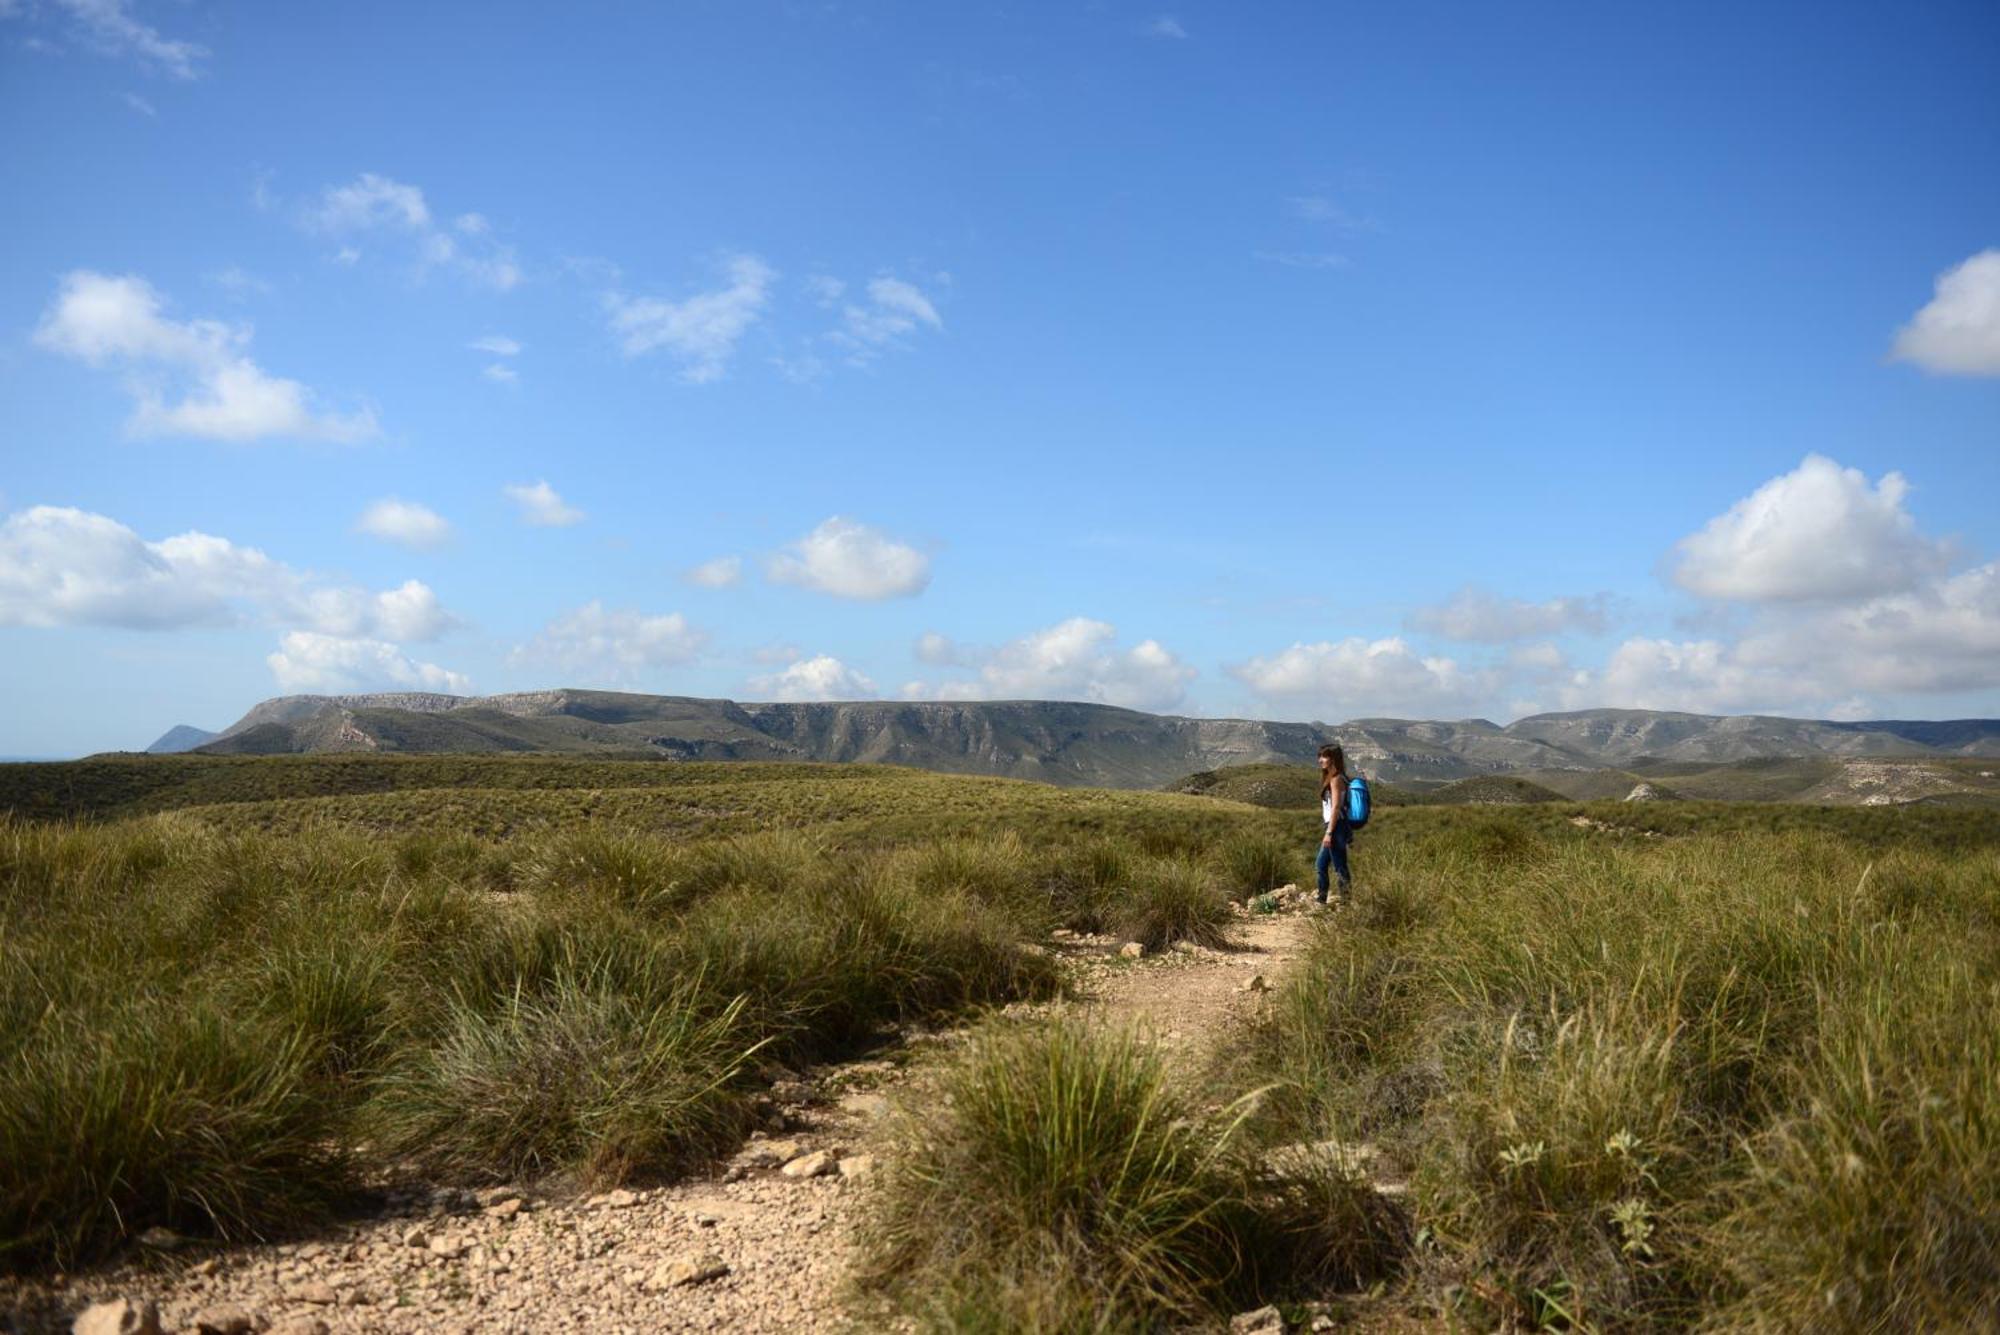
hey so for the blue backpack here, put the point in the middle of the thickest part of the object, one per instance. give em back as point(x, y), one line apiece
point(1359, 802)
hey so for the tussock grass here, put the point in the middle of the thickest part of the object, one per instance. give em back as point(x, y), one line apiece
point(1059, 1181)
point(1737, 1079)
point(583, 1075)
point(1173, 899)
point(217, 1029)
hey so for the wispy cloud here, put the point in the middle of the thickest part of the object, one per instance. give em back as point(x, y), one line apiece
point(1304, 259)
point(140, 105)
point(372, 205)
point(613, 644)
point(499, 345)
point(108, 27)
point(700, 331)
point(724, 572)
point(891, 311)
point(1167, 26)
point(1323, 209)
point(222, 395)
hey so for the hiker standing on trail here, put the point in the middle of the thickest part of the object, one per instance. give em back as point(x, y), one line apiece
point(1333, 810)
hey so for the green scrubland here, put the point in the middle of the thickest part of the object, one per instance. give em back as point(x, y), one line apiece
point(1641, 1065)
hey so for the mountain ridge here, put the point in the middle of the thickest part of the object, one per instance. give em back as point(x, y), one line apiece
point(1072, 743)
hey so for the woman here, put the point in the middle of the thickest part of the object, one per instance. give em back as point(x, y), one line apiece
point(1333, 810)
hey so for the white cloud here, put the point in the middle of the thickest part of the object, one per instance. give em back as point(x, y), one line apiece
point(1818, 532)
point(941, 651)
point(239, 283)
point(702, 331)
point(894, 310)
point(541, 506)
point(376, 204)
point(405, 523)
point(1077, 659)
point(499, 345)
point(108, 25)
point(141, 105)
point(102, 319)
point(723, 572)
point(822, 677)
point(1166, 25)
point(1943, 636)
point(825, 290)
point(1696, 676)
point(851, 560)
point(500, 373)
point(1357, 678)
point(613, 644)
point(1958, 333)
point(1481, 617)
point(65, 567)
point(308, 662)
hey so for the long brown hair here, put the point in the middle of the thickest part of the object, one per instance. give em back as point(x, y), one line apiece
point(1339, 758)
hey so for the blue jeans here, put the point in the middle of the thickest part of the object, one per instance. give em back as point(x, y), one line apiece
point(1335, 855)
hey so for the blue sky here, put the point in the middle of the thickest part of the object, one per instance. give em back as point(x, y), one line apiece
point(1291, 360)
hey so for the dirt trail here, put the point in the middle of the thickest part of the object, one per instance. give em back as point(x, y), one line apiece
point(754, 1248)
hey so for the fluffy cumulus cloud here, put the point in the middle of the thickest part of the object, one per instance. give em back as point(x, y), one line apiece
point(374, 207)
point(405, 523)
point(307, 661)
point(1819, 532)
point(1481, 617)
point(613, 644)
point(1356, 678)
point(187, 378)
point(700, 331)
point(821, 677)
point(1695, 676)
point(541, 506)
point(65, 567)
point(1077, 659)
point(1943, 636)
point(1958, 333)
point(846, 559)
point(724, 572)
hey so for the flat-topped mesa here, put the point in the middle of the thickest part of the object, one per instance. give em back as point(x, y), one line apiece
point(1066, 742)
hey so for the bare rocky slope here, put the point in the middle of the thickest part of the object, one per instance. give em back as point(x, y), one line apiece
point(1056, 741)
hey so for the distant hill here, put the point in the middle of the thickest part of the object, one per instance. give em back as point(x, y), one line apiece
point(1077, 744)
point(181, 737)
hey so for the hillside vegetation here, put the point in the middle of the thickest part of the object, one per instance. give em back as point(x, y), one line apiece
point(1642, 1065)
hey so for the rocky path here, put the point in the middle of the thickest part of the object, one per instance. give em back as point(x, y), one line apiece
point(762, 1246)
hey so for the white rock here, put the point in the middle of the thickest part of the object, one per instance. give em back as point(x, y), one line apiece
point(861, 1165)
point(1263, 1321)
point(320, 1295)
point(769, 1153)
point(121, 1316)
point(1131, 950)
point(817, 1164)
point(686, 1271)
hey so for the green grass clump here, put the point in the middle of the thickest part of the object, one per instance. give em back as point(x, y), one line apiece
point(146, 1115)
point(1253, 864)
point(1058, 1181)
point(582, 1076)
point(1738, 1079)
point(1174, 899)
